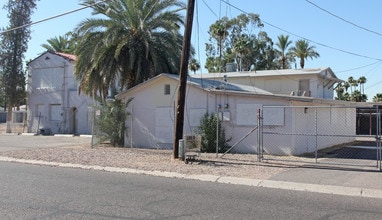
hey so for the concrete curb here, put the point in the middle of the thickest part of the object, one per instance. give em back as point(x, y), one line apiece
point(316, 188)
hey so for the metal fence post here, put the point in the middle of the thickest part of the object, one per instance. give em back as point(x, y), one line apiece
point(378, 138)
point(131, 125)
point(217, 130)
point(93, 121)
point(316, 134)
point(259, 135)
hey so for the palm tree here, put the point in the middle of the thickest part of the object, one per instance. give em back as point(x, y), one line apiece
point(363, 98)
point(60, 44)
point(340, 91)
point(283, 44)
point(132, 41)
point(377, 97)
point(303, 50)
point(362, 80)
point(346, 86)
point(219, 31)
point(351, 83)
point(346, 96)
point(194, 65)
point(241, 48)
point(356, 96)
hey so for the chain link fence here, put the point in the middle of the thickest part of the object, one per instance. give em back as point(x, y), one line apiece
point(18, 124)
point(322, 135)
point(328, 135)
point(209, 135)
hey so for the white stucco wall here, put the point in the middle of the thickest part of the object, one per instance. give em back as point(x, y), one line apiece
point(289, 129)
point(142, 129)
point(283, 81)
point(52, 91)
point(308, 127)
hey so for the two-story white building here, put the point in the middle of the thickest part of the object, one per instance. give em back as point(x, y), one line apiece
point(54, 103)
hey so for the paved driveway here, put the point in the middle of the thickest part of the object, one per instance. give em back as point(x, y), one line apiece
point(20, 142)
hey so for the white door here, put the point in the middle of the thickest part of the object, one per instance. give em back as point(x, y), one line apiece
point(164, 124)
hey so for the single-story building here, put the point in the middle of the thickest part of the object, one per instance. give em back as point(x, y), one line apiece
point(152, 109)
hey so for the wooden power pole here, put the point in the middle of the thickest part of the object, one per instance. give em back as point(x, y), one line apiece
point(179, 110)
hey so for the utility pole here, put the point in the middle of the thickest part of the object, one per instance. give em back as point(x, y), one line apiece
point(179, 110)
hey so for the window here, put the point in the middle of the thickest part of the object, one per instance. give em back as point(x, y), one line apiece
point(55, 112)
point(167, 90)
point(39, 110)
point(303, 87)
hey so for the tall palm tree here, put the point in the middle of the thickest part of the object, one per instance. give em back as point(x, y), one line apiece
point(362, 80)
point(283, 45)
point(194, 65)
point(60, 44)
point(219, 31)
point(132, 41)
point(351, 83)
point(303, 50)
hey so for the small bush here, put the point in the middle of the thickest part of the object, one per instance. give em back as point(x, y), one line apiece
point(207, 129)
point(111, 121)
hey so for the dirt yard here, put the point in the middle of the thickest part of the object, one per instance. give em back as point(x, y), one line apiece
point(16, 128)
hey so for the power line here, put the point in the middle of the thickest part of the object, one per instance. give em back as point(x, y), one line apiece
point(356, 68)
point(53, 17)
point(212, 11)
point(349, 22)
point(315, 42)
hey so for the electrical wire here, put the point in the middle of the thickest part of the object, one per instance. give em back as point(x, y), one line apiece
point(212, 11)
point(53, 17)
point(315, 42)
point(357, 68)
point(349, 22)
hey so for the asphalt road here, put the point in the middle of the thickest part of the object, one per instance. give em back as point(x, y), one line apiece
point(42, 192)
point(22, 142)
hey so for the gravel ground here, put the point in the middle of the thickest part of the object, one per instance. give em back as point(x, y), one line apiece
point(235, 165)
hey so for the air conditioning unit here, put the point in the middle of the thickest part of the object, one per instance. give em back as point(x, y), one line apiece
point(192, 142)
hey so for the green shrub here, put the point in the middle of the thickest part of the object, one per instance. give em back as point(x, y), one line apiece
point(111, 121)
point(207, 130)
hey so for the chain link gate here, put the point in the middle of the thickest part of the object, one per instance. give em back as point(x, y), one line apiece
point(321, 135)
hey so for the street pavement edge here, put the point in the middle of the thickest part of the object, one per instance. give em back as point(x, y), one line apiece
point(315, 188)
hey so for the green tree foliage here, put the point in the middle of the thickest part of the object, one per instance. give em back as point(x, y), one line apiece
point(111, 121)
point(132, 41)
point(3, 100)
point(194, 65)
point(14, 44)
point(303, 50)
point(361, 81)
point(234, 40)
point(283, 52)
point(377, 97)
point(207, 129)
point(355, 95)
point(64, 44)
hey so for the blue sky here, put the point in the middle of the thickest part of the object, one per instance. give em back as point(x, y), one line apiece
point(348, 49)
